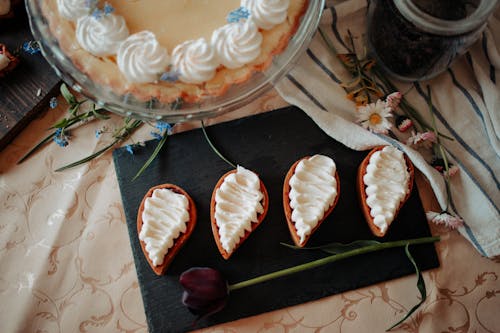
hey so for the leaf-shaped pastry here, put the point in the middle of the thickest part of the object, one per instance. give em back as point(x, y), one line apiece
point(165, 221)
point(310, 193)
point(385, 180)
point(238, 206)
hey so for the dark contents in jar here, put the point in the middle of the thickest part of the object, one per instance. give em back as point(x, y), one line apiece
point(444, 9)
point(403, 49)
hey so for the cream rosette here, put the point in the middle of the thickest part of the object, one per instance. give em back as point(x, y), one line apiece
point(237, 44)
point(141, 58)
point(73, 9)
point(101, 36)
point(267, 13)
point(195, 61)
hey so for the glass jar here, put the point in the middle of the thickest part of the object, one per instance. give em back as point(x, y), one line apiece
point(415, 40)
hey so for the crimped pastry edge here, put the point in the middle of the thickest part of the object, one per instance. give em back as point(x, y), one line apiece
point(215, 229)
point(288, 210)
point(362, 193)
point(179, 241)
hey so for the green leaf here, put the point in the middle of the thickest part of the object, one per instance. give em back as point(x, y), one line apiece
point(336, 248)
point(61, 123)
point(67, 95)
point(420, 286)
point(152, 157)
point(88, 158)
point(35, 148)
point(99, 113)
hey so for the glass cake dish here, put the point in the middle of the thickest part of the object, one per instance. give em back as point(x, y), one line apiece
point(127, 104)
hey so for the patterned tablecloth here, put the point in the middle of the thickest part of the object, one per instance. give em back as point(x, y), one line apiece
point(66, 262)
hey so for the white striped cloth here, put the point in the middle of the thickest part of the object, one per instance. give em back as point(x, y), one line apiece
point(466, 104)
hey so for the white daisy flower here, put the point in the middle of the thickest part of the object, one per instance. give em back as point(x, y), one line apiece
point(374, 117)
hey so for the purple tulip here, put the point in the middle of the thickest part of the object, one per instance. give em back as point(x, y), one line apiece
point(205, 290)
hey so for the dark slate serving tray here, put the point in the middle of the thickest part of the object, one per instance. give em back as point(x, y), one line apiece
point(267, 144)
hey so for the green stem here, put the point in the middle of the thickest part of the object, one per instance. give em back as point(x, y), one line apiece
point(152, 157)
point(330, 259)
point(214, 148)
point(441, 150)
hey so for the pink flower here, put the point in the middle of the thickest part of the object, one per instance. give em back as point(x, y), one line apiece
point(393, 100)
point(425, 139)
point(445, 218)
point(403, 123)
point(452, 171)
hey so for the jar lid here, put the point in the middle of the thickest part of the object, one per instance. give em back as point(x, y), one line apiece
point(435, 25)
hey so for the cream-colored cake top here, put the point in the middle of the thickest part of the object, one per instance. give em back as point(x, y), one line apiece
point(175, 21)
point(169, 49)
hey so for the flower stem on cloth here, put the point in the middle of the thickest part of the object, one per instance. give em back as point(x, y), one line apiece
point(206, 291)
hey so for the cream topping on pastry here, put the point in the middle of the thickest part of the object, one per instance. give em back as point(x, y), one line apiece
point(165, 217)
point(386, 181)
point(237, 43)
point(237, 205)
point(195, 61)
point(313, 189)
point(101, 36)
point(4, 61)
point(267, 13)
point(73, 9)
point(141, 58)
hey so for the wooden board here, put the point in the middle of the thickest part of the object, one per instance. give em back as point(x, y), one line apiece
point(268, 144)
point(27, 89)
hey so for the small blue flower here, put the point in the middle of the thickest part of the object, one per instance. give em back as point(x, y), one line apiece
point(129, 149)
point(171, 76)
point(98, 134)
point(60, 138)
point(108, 9)
point(163, 126)
point(157, 135)
point(97, 13)
point(53, 103)
point(31, 47)
point(238, 14)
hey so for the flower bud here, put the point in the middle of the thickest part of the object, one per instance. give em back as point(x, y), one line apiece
point(205, 290)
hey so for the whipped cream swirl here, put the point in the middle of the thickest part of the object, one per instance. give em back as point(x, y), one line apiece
point(267, 13)
point(101, 36)
point(386, 181)
point(73, 9)
point(313, 189)
point(237, 44)
point(141, 58)
point(164, 218)
point(237, 205)
point(195, 61)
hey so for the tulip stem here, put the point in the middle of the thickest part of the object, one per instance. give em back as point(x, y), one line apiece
point(330, 259)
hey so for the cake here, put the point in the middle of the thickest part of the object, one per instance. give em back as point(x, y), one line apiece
point(310, 193)
point(165, 221)
point(385, 181)
point(171, 49)
point(238, 206)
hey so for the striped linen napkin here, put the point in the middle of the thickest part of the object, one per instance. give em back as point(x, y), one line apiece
point(466, 105)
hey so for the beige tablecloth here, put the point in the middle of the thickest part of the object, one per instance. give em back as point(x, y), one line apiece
point(66, 263)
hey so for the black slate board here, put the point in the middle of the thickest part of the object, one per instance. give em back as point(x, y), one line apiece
point(267, 144)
